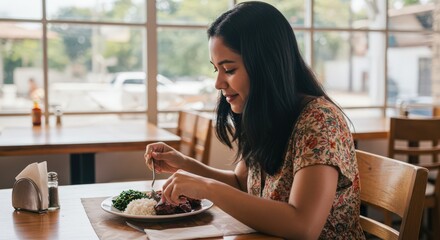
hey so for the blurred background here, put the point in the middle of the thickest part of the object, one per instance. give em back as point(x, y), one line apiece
point(139, 58)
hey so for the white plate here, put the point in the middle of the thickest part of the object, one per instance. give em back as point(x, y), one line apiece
point(107, 206)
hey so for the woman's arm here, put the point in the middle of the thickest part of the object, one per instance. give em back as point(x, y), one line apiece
point(169, 160)
point(303, 217)
point(236, 178)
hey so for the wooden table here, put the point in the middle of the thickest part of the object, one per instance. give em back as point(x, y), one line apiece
point(370, 128)
point(71, 221)
point(82, 142)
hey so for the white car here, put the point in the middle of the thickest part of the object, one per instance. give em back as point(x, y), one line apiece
point(122, 79)
point(189, 94)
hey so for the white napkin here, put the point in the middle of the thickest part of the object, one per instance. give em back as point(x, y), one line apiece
point(205, 231)
point(37, 172)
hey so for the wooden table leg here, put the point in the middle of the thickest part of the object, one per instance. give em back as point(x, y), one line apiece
point(82, 168)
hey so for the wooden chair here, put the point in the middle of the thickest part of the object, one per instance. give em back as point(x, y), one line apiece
point(195, 130)
point(202, 144)
point(395, 186)
point(186, 129)
point(417, 132)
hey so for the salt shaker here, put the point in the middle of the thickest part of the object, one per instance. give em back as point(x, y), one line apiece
point(58, 114)
point(54, 203)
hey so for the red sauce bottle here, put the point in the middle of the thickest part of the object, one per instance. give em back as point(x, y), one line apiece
point(36, 114)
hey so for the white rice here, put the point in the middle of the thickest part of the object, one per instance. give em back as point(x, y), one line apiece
point(143, 206)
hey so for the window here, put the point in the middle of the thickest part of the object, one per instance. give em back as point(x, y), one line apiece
point(90, 57)
point(424, 79)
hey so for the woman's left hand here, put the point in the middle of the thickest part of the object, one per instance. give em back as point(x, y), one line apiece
point(187, 184)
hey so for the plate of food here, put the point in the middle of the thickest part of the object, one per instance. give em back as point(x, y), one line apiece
point(146, 206)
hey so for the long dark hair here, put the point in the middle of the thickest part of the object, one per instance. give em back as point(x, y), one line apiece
point(279, 81)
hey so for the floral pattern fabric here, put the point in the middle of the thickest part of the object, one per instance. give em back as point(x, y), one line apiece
point(320, 137)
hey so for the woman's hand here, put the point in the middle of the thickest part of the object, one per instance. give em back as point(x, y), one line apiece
point(187, 184)
point(166, 158)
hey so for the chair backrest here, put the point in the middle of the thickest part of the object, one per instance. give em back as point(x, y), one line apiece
point(413, 131)
point(195, 129)
point(186, 129)
point(396, 186)
point(202, 143)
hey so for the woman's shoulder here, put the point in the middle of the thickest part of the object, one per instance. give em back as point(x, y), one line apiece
point(320, 107)
point(321, 115)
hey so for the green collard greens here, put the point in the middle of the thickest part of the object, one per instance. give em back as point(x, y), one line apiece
point(125, 197)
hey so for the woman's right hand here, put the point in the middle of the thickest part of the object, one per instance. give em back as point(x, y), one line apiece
point(166, 158)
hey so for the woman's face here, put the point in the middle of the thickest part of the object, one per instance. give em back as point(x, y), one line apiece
point(232, 78)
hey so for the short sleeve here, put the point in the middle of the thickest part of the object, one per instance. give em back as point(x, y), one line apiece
point(323, 137)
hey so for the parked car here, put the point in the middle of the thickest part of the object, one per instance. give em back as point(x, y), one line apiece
point(122, 79)
point(179, 94)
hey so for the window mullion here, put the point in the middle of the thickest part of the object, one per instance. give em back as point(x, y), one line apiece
point(151, 52)
point(45, 65)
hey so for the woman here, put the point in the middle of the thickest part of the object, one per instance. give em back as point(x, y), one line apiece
point(296, 175)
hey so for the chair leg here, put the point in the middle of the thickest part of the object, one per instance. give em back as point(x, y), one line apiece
point(435, 222)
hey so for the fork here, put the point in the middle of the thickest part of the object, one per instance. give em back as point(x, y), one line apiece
point(153, 193)
point(154, 172)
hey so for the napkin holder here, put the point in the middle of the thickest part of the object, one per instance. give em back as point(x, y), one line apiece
point(26, 196)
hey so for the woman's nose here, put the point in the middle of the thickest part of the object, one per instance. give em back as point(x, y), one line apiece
point(220, 83)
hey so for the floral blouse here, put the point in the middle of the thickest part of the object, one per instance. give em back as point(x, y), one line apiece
point(320, 136)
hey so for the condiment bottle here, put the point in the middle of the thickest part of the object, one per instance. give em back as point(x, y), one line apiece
point(52, 183)
point(58, 114)
point(403, 109)
point(36, 114)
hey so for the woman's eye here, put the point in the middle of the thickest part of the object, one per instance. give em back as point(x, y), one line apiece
point(215, 70)
point(230, 71)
